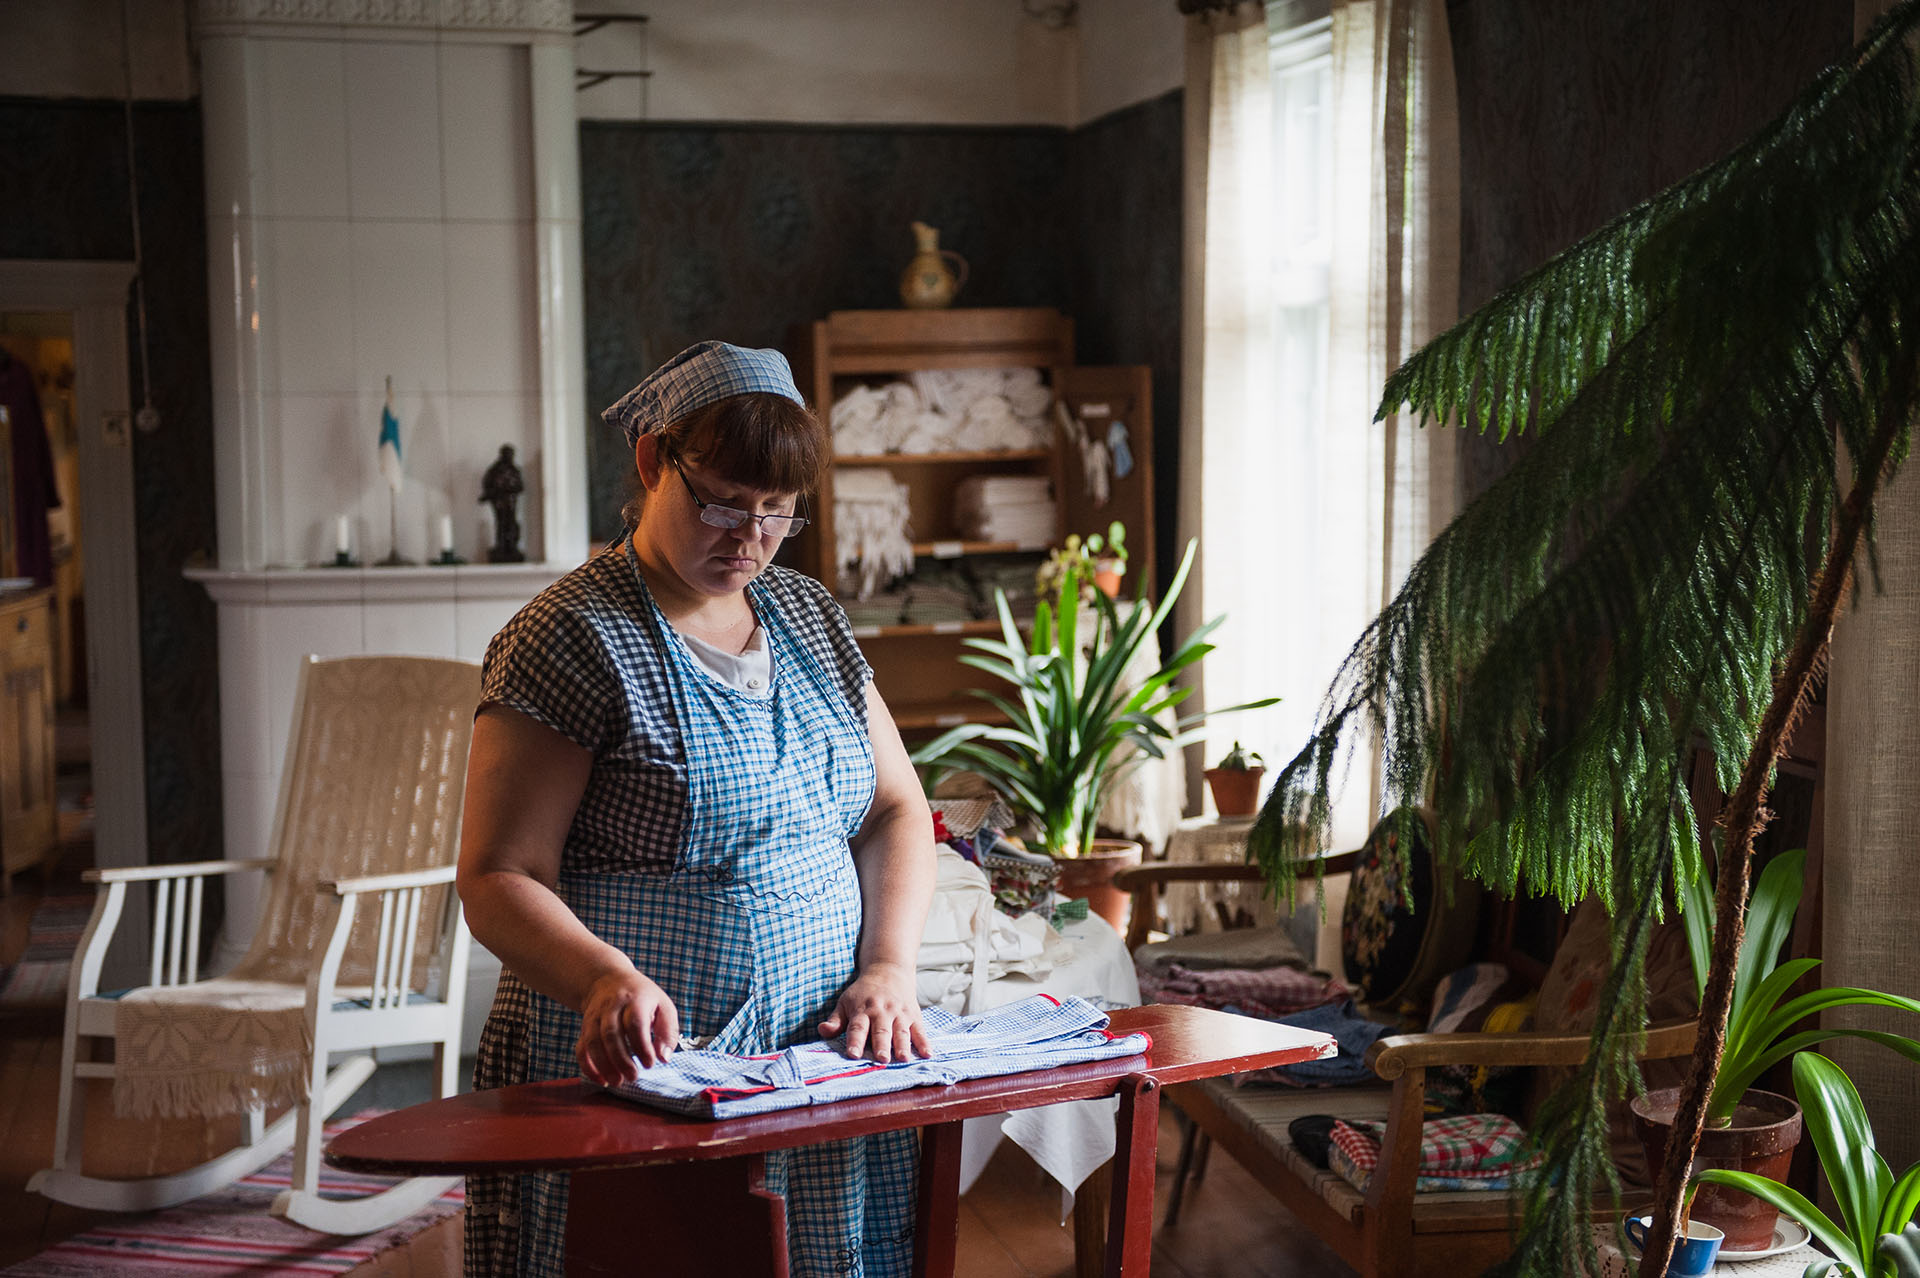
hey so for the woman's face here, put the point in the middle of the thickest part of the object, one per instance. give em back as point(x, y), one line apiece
point(714, 560)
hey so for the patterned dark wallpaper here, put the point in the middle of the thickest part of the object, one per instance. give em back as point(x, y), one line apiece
point(731, 231)
point(1571, 112)
point(65, 167)
point(696, 231)
point(1124, 197)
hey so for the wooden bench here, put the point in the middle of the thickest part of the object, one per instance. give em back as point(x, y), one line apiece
point(1389, 1230)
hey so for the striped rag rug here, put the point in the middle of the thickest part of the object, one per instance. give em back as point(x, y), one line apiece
point(53, 934)
point(228, 1232)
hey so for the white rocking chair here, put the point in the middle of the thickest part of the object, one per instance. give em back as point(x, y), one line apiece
point(369, 816)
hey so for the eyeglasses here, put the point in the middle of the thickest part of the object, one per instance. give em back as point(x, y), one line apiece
point(773, 526)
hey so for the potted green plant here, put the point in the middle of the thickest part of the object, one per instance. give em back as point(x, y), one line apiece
point(1235, 782)
point(1075, 722)
point(1100, 561)
point(1665, 563)
point(1874, 1205)
point(1748, 1130)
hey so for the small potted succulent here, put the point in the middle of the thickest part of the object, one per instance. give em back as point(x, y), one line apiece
point(1235, 782)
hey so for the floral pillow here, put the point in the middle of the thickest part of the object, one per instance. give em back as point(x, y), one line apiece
point(1399, 934)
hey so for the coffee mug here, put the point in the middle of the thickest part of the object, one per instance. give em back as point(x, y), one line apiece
point(1693, 1253)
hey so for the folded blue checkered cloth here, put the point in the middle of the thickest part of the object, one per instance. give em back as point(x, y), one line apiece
point(1039, 1032)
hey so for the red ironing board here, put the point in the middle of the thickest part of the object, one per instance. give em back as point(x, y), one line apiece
point(658, 1190)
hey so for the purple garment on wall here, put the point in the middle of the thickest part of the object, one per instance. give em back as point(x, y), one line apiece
point(34, 489)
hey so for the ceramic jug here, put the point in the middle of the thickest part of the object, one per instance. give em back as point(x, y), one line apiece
point(928, 282)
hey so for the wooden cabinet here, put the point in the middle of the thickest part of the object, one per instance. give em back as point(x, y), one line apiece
point(917, 667)
point(27, 822)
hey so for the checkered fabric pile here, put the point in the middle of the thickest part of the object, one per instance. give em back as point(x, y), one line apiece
point(1268, 992)
point(1469, 1151)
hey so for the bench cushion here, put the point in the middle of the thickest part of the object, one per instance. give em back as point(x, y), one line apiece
point(1265, 1112)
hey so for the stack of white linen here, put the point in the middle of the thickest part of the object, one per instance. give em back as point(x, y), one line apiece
point(968, 941)
point(944, 410)
point(1016, 508)
point(871, 539)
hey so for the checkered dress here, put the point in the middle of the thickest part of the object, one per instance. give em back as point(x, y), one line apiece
point(710, 845)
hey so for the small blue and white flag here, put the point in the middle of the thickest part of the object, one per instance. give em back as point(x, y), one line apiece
point(390, 442)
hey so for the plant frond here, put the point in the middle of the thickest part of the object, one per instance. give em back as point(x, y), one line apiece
point(1629, 587)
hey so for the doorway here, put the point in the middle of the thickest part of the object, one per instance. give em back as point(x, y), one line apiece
point(74, 314)
point(43, 569)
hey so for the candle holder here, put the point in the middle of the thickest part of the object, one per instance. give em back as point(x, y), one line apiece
point(343, 559)
point(449, 557)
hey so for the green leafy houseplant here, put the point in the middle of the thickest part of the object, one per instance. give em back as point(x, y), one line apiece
point(1074, 726)
point(1759, 1023)
point(1871, 1200)
point(1664, 564)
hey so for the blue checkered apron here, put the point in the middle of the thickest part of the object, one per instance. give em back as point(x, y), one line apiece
point(753, 934)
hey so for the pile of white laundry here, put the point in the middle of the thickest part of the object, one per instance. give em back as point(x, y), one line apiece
point(945, 410)
point(968, 941)
point(1015, 508)
point(872, 541)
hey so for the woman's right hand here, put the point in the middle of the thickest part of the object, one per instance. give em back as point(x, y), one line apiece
point(625, 1016)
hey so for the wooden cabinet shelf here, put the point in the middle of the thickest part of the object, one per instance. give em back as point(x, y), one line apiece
point(27, 815)
point(917, 667)
point(937, 716)
point(942, 459)
point(960, 549)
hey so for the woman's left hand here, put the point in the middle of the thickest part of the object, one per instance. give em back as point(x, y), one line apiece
point(880, 1015)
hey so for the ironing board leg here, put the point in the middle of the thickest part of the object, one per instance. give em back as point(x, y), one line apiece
point(1130, 1218)
point(937, 1221)
point(714, 1216)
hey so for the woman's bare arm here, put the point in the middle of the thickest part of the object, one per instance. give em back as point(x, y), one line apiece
point(524, 782)
point(893, 856)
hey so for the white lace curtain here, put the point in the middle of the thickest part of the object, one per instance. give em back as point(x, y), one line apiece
point(1309, 513)
point(1872, 790)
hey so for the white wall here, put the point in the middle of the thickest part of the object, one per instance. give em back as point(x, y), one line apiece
point(73, 49)
point(1130, 51)
point(881, 61)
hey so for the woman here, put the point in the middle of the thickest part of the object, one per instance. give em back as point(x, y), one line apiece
point(689, 814)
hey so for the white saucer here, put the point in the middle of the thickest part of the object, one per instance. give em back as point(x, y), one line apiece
point(1788, 1233)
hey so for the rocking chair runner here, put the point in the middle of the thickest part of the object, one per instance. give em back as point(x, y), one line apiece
point(369, 816)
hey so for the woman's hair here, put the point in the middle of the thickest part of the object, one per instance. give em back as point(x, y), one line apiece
point(757, 440)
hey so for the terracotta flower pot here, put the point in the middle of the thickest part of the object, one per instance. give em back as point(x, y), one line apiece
point(1090, 875)
point(1236, 791)
point(1761, 1138)
point(1107, 574)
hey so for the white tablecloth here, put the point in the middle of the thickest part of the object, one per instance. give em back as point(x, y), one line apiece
point(1069, 1140)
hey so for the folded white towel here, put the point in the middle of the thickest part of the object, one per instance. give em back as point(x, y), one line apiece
point(865, 483)
point(1029, 524)
point(978, 492)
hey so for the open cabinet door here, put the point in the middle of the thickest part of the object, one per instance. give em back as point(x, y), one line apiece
point(1103, 465)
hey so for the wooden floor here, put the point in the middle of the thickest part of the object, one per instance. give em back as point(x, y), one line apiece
point(1010, 1222)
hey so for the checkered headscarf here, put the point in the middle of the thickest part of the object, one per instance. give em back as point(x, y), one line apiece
point(696, 377)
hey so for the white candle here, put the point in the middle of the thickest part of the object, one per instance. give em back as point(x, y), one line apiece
point(446, 534)
point(342, 535)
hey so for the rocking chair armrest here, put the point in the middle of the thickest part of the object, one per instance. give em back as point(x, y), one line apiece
point(1392, 1056)
point(184, 870)
point(388, 882)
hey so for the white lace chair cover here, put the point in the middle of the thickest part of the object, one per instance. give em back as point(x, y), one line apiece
point(373, 784)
